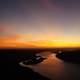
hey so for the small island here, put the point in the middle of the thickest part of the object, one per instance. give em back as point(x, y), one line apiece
point(71, 56)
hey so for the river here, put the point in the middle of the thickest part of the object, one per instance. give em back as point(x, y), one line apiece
point(56, 69)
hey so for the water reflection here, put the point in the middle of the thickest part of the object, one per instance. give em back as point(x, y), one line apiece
point(52, 67)
point(56, 69)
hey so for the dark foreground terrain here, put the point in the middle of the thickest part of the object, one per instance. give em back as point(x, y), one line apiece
point(10, 69)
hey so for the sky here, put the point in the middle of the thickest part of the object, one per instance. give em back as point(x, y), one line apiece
point(36, 23)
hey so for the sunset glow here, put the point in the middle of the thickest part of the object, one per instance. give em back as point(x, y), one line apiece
point(39, 23)
point(24, 42)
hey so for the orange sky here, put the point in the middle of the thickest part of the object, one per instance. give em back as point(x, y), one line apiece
point(39, 23)
point(25, 41)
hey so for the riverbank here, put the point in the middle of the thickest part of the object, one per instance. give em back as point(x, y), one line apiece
point(10, 68)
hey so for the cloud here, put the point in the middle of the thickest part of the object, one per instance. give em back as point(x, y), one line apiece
point(16, 37)
point(14, 42)
point(6, 29)
point(48, 4)
point(52, 6)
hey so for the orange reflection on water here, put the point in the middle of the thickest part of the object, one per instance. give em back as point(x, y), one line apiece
point(52, 68)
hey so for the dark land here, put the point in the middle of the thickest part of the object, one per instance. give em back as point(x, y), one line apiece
point(9, 59)
point(70, 56)
point(10, 68)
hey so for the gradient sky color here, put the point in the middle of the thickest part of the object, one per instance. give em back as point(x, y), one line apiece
point(53, 21)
